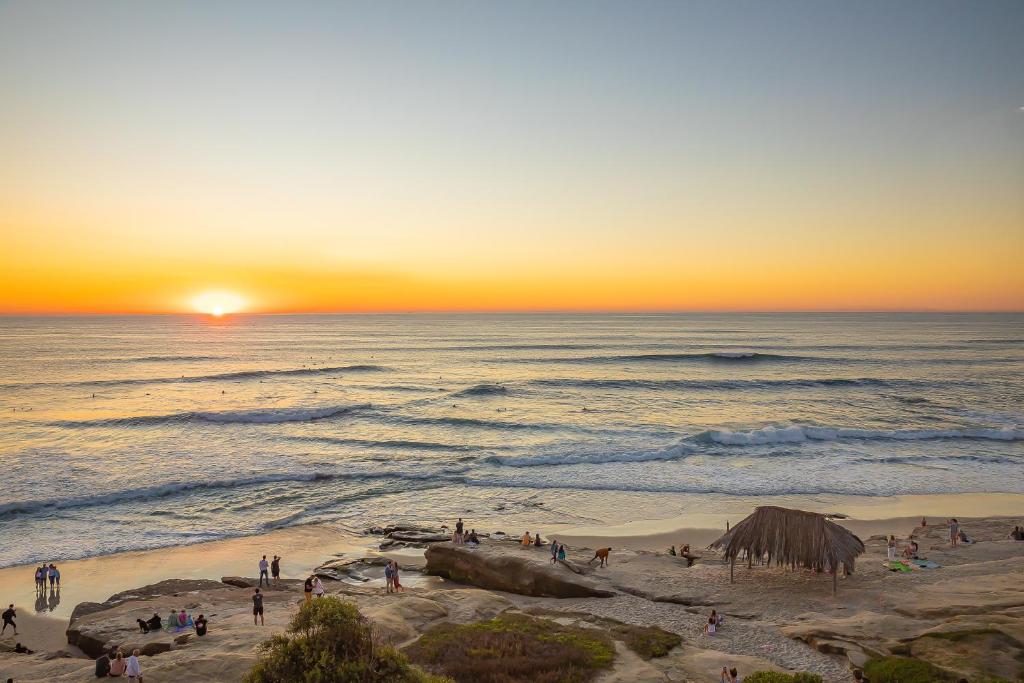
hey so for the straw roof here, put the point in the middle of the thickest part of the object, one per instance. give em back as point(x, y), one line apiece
point(794, 538)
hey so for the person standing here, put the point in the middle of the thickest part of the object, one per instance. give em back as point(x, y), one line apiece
point(890, 548)
point(264, 573)
point(307, 588)
point(134, 668)
point(389, 578)
point(8, 616)
point(457, 539)
point(55, 575)
point(318, 587)
point(275, 570)
point(554, 551)
point(257, 607)
point(394, 576)
point(954, 532)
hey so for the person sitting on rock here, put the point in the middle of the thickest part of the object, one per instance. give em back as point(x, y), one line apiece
point(103, 664)
point(910, 552)
point(473, 538)
point(601, 554)
point(711, 626)
point(718, 619)
point(527, 540)
point(154, 622)
point(672, 551)
point(1017, 534)
point(118, 665)
point(182, 618)
point(537, 543)
point(200, 625)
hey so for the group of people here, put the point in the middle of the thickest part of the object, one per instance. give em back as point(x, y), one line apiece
point(460, 537)
point(46, 572)
point(715, 621)
point(116, 665)
point(175, 621)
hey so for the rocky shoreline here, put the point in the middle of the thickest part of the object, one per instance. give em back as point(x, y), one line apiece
point(966, 617)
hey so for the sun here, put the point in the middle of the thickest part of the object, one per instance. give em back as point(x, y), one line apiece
point(218, 303)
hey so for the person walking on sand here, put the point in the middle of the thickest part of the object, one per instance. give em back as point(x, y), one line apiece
point(890, 548)
point(307, 588)
point(8, 616)
point(264, 574)
point(257, 607)
point(954, 531)
point(601, 554)
point(134, 669)
point(275, 570)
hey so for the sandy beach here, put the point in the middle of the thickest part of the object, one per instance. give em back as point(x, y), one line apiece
point(305, 548)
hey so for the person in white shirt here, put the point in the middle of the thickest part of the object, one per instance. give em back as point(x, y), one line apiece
point(264, 571)
point(134, 669)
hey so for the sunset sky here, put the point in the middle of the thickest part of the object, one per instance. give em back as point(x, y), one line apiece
point(392, 156)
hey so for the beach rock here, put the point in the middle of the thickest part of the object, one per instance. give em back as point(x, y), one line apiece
point(420, 536)
point(168, 587)
point(83, 608)
point(508, 568)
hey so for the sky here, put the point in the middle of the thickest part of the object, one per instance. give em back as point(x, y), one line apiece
point(448, 156)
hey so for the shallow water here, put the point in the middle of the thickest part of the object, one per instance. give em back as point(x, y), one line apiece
point(125, 433)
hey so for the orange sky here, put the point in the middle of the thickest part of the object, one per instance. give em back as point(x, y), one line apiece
point(148, 156)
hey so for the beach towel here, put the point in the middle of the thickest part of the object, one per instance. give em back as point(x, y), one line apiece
point(927, 564)
point(897, 567)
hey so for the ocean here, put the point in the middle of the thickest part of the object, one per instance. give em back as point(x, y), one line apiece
point(122, 433)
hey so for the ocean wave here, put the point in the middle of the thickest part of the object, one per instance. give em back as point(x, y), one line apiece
point(107, 499)
point(216, 377)
point(473, 422)
point(715, 384)
point(800, 434)
point(704, 442)
point(165, 359)
point(483, 390)
point(252, 416)
point(393, 443)
point(704, 357)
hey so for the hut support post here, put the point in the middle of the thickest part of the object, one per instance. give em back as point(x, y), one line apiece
point(835, 579)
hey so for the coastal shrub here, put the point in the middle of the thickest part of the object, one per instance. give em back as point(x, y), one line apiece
point(329, 641)
point(514, 647)
point(780, 677)
point(903, 670)
point(646, 641)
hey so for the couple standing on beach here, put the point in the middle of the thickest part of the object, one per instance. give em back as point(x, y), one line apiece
point(394, 585)
point(275, 570)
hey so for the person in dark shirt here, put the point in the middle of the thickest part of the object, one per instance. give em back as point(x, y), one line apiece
point(8, 617)
point(155, 624)
point(103, 666)
point(200, 625)
point(275, 570)
point(257, 607)
point(22, 650)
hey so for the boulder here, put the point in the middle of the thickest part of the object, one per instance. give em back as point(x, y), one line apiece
point(507, 569)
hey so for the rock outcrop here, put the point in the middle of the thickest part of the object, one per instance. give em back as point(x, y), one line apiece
point(511, 569)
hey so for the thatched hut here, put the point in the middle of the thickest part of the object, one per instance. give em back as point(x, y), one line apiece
point(793, 538)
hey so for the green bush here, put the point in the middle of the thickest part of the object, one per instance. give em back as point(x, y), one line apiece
point(903, 670)
point(779, 677)
point(646, 641)
point(329, 641)
point(513, 648)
